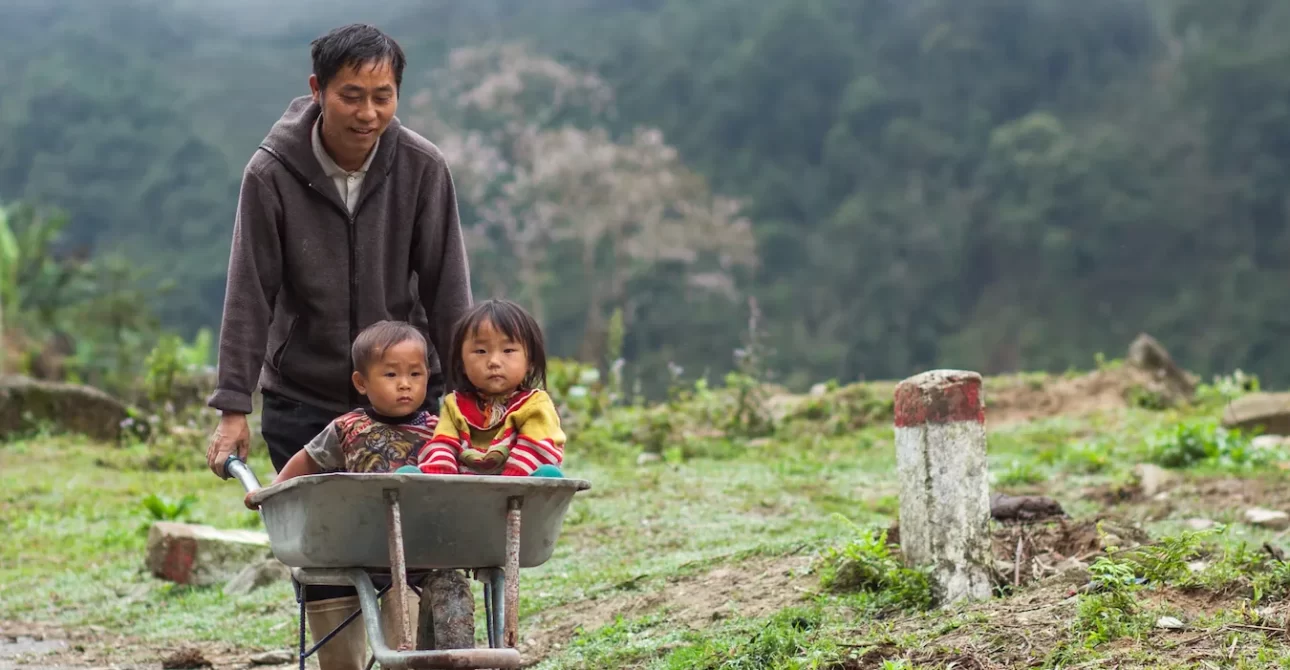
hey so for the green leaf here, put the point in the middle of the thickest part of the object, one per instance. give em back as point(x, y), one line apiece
point(8, 245)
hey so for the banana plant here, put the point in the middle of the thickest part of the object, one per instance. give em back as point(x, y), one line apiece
point(8, 276)
point(34, 286)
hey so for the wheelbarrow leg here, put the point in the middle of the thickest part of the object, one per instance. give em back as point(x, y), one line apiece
point(488, 608)
point(511, 635)
point(494, 581)
point(300, 598)
point(499, 605)
point(398, 572)
point(398, 660)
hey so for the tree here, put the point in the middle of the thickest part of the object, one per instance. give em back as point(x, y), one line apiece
point(542, 185)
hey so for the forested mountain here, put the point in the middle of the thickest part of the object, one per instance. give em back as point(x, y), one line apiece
point(989, 184)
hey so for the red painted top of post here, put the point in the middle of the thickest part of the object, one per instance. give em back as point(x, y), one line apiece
point(939, 396)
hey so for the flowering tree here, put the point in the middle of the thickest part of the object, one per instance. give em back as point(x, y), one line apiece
point(519, 131)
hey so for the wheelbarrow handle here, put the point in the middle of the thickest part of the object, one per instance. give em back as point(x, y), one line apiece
point(236, 467)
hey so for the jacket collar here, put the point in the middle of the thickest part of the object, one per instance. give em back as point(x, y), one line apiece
point(470, 405)
point(290, 140)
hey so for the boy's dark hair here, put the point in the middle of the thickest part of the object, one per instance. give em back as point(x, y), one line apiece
point(355, 45)
point(514, 322)
point(377, 338)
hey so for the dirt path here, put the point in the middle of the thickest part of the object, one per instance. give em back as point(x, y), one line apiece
point(752, 588)
point(27, 646)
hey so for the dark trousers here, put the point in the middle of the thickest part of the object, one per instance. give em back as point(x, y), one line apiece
point(287, 426)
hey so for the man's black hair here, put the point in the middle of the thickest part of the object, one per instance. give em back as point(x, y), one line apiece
point(355, 45)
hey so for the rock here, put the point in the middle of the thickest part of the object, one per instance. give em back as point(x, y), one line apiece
point(1152, 479)
point(1072, 571)
point(446, 617)
point(1004, 507)
point(1147, 354)
point(1170, 623)
point(819, 390)
point(1199, 524)
point(1270, 442)
point(202, 555)
point(256, 575)
point(648, 457)
point(1267, 518)
point(274, 658)
point(1197, 566)
point(26, 403)
point(186, 659)
point(1269, 411)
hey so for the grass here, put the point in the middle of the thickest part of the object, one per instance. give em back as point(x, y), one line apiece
point(639, 562)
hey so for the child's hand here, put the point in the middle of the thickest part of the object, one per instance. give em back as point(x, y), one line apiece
point(250, 505)
point(480, 460)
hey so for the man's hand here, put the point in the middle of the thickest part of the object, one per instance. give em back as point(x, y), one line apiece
point(230, 436)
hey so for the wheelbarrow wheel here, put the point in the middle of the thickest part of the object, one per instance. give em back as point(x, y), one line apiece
point(447, 611)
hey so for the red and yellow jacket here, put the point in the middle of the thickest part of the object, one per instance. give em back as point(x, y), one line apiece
point(524, 429)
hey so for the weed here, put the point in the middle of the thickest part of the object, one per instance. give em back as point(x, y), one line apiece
point(1147, 398)
point(1111, 611)
point(1204, 441)
point(839, 411)
point(785, 641)
point(865, 565)
point(1020, 474)
point(1166, 562)
point(1226, 388)
point(164, 509)
point(1089, 457)
point(622, 642)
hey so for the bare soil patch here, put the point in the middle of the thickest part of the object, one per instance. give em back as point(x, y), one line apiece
point(32, 646)
point(1032, 626)
point(752, 588)
point(1216, 498)
point(1016, 399)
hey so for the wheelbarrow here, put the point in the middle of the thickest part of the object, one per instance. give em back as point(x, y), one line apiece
point(342, 528)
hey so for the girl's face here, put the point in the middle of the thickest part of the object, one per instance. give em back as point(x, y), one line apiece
point(494, 363)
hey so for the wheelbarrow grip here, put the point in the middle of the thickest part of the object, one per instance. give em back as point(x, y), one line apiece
point(236, 467)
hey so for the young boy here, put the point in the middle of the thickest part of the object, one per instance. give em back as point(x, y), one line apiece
point(390, 369)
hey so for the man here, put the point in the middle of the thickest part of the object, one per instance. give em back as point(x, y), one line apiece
point(345, 218)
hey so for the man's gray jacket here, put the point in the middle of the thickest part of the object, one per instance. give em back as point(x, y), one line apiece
point(305, 276)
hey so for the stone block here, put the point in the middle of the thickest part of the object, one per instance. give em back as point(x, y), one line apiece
point(202, 555)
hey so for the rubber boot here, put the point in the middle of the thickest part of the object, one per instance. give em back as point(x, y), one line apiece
point(347, 650)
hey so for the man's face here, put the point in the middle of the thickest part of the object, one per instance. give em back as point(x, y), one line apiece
point(358, 104)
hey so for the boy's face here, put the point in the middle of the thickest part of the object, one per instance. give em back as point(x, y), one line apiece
point(395, 384)
point(494, 363)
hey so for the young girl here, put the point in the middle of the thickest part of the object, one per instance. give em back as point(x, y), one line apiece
point(500, 419)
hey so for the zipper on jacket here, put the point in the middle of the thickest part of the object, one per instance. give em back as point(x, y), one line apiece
point(352, 236)
point(353, 294)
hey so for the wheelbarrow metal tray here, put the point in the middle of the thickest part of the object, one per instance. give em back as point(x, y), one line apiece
point(338, 520)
